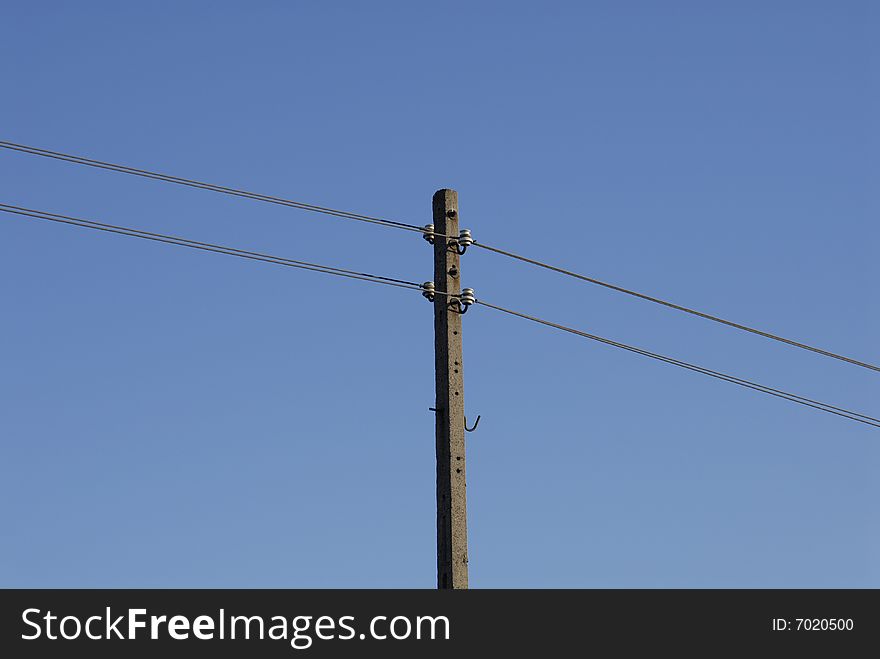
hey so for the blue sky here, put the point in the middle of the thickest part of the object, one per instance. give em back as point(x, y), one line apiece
point(172, 418)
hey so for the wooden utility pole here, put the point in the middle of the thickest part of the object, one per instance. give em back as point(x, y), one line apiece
point(452, 554)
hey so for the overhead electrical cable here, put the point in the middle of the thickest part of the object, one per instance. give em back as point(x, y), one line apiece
point(168, 178)
point(184, 242)
point(420, 229)
point(678, 307)
point(795, 398)
point(402, 283)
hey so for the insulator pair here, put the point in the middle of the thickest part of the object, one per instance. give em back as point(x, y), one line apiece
point(465, 299)
point(461, 244)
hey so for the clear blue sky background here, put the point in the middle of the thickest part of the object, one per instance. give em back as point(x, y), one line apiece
point(173, 418)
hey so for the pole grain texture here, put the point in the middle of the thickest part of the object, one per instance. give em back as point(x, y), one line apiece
point(452, 554)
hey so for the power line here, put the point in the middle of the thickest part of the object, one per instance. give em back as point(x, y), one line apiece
point(208, 247)
point(402, 283)
point(412, 227)
point(168, 178)
point(825, 407)
point(678, 307)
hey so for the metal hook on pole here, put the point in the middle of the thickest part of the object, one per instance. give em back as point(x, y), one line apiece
point(476, 423)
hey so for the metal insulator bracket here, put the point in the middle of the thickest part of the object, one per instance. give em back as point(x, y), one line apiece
point(428, 233)
point(465, 299)
point(463, 241)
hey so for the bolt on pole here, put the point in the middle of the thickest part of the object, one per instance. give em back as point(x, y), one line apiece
point(452, 553)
